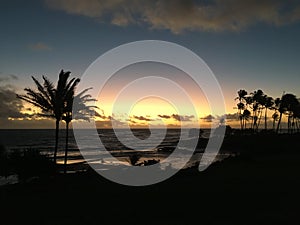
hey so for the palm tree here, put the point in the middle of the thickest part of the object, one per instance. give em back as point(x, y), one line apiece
point(80, 111)
point(287, 104)
point(268, 103)
point(291, 106)
point(241, 105)
point(44, 98)
point(245, 116)
point(67, 113)
point(296, 116)
point(275, 118)
point(50, 100)
point(257, 107)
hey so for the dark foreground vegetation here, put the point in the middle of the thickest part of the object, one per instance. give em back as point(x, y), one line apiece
point(255, 187)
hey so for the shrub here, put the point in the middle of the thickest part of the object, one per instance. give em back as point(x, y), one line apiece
point(29, 163)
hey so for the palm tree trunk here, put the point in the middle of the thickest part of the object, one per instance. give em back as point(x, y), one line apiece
point(289, 124)
point(66, 149)
point(252, 120)
point(279, 121)
point(257, 125)
point(240, 117)
point(255, 121)
point(293, 125)
point(56, 140)
point(266, 112)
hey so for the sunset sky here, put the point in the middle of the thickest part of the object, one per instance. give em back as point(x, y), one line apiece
point(247, 44)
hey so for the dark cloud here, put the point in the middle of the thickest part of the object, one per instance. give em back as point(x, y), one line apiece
point(10, 104)
point(182, 117)
point(178, 117)
point(142, 118)
point(109, 123)
point(164, 116)
point(227, 117)
point(208, 118)
point(233, 116)
point(131, 121)
point(180, 15)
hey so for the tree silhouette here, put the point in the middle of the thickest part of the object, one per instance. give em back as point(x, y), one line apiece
point(245, 117)
point(275, 118)
point(257, 107)
point(50, 100)
point(287, 105)
point(241, 105)
point(260, 103)
point(296, 117)
point(44, 98)
point(76, 108)
point(268, 103)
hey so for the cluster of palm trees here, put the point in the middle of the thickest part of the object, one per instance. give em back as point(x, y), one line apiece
point(57, 102)
point(255, 105)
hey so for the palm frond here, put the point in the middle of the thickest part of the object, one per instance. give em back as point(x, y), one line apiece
point(62, 82)
point(33, 101)
point(67, 88)
point(84, 91)
point(73, 85)
point(48, 85)
point(40, 87)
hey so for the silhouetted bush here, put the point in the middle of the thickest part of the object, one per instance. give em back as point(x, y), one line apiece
point(133, 159)
point(30, 163)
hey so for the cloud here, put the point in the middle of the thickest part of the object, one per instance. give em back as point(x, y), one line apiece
point(183, 118)
point(208, 118)
point(9, 77)
point(40, 46)
point(227, 117)
point(142, 118)
point(10, 104)
point(110, 123)
point(181, 15)
point(178, 117)
point(233, 116)
point(131, 121)
point(164, 116)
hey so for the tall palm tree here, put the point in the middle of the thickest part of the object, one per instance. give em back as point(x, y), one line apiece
point(246, 115)
point(44, 98)
point(296, 116)
point(287, 104)
point(275, 118)
point(268, 103)
point(257, 107)
point(80, 111)
point(50, 100)
point(241, 105)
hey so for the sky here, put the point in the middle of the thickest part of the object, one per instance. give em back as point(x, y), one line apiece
point(247, 44)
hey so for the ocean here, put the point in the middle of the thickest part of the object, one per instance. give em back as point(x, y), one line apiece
point(154, 144)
